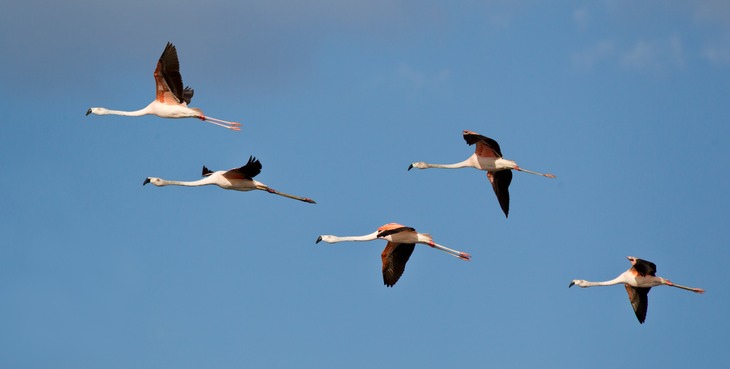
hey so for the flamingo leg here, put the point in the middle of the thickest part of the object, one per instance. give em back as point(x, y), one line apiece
point(452, 252)
point(275, 192)
point(696, 290)
point(235, 126)
point(549, 175)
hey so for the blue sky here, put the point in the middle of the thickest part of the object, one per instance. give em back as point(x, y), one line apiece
point(627, 103)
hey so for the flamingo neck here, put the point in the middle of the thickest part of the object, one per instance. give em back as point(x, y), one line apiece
point(615, 281)
point(200, 182)
point(367, 237)
point(462, 164)
point(135, 113)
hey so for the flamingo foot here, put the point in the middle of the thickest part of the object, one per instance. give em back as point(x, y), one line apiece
point(550, 175)
point(464, 256)
point(698, 290)
point(307, 199)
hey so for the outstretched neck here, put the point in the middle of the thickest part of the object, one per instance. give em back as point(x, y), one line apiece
point(367, 237)
point(136, 113)
point(200, 182)
point(617, 280)
point(462, 164)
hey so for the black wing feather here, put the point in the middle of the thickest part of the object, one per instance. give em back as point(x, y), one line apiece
point(394, 231)
point(639, 298)
point(188, 94)
point(171, 72)
point(206, 171)
point(394, 263)
point(502, 180)
point(472, 138)
point(251, 169)
point(645, 268)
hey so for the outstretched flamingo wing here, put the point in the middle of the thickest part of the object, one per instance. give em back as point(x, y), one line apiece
point(486, 147)
point(639, 298)
point(248, 171)
point(393, 228)
point(168, 79)
point(395, 256)
point(644, 268)
point(500, 183)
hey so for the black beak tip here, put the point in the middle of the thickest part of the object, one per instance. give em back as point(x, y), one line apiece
point(319, 239)
point(88, 112)
point(410, 167)
point(571, 284)
point(146, 181)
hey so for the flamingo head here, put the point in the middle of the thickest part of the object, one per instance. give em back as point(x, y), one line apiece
point(578, 282)
point(97, 111)
point(154, 180)
point(326, 238)
point(419, 165)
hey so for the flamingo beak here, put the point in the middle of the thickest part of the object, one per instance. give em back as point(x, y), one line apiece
point(319, 239)
point(88, 112)
point(571, 284)
point(146, 181)
point(410, 167)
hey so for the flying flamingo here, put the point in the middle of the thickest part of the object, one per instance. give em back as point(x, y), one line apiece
point(638, 280)
point(172, 99)
point(239, 179)
point(487, 157)
point(401, 242)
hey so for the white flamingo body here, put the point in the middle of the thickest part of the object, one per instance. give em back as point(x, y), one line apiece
point(638, 280)
point(238, 179)
point(171, 100)
point(401, 243)
point(488, 157)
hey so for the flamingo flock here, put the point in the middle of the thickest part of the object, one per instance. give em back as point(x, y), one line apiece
point(172, 99)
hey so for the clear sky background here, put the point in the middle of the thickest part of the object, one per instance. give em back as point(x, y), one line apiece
point(628, 103)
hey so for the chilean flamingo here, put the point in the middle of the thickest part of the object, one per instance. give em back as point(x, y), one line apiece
point(401, 242)
point(487, 157)
point(638, 280)
point(239, 179)
point(171, 99)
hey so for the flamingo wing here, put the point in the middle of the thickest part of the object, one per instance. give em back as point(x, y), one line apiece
point(206, 171)
point(644, 268)
point(396, 228)
point(248, 171)
point(486, 147)
point(188, 94)
point(500, 183)
point(395, 256)
point(639, 298)
point(168, 79)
